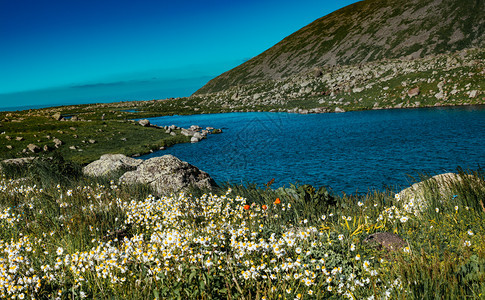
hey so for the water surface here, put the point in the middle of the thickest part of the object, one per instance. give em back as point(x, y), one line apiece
point(351, 152)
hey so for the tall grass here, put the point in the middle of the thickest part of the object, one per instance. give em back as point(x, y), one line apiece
point(82, 237)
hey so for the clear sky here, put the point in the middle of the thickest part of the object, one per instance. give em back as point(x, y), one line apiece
point(64, 43)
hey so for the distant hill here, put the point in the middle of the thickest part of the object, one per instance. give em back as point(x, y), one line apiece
point(362, 32)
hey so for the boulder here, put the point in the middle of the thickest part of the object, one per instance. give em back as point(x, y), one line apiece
point(413, 92)
point(339, 110)
point(57, 116)
point(19, 162)
point(473, 94)
point(194, 139)
point(386, 241)
point(57, 143)
point(168, 174)
point(442, 184)
point(317, 72)
point(33, 148)
point(111, 163)
point(144, 123)
point(187, 132)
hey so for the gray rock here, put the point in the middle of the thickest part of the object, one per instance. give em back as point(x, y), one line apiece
point(440, 95)
point(111, 163)
point(57, 143)
point(19, 162)
point(413, 92)
point(339, 110)
point(473, 94)
point(194, 139)
point(33, 148)
point(144, 123)
point(168, 174)
point(19, 138)
point(46, 148)
point(57, 116)
point(441, 184)
point(91, 141)
point(74, 118)
point(386, 240)
point(317, 72)
point(187, 132)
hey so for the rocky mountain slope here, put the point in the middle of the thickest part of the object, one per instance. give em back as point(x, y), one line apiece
point(436, 80)
point(366, 31)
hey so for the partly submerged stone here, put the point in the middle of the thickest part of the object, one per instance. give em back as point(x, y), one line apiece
point(109, 163)
point(168, 174)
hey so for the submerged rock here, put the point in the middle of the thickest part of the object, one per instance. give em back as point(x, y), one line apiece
point(168, 174)
point(109, 163)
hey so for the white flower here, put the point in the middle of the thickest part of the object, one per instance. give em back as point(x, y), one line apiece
point(59, 251)
point(397, 196)
point(470, 232)
point(404, 219)
point(352, 247)
point(340, 237)
point(437, 209)
point(467, 244)
point(360, 203)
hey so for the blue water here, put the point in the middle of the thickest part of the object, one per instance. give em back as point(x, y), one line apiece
point(350, 152)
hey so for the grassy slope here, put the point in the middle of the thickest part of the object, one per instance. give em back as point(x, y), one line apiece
point(111, 135)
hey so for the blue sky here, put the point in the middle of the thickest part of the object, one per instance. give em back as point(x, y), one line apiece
point(58, 44)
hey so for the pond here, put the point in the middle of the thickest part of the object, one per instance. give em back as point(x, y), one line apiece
point(350, 152)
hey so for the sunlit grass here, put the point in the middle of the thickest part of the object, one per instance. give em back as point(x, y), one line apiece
point(97, 239)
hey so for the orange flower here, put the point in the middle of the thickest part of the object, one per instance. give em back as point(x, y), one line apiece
point(264, 207)
point(246, 207)
point(277, 201)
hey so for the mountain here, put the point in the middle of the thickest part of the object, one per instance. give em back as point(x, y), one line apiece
point(366, 31)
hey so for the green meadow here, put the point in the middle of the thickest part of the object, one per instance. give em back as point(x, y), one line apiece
point(67, 236)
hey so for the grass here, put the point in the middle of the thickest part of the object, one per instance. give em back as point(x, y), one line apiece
point(67, 236)
point(90, 137)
